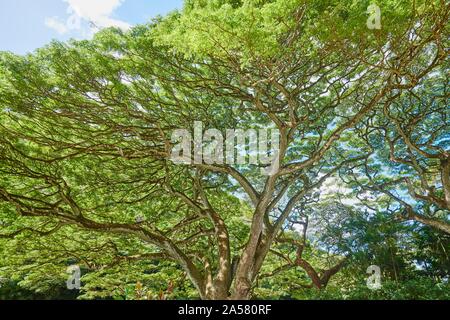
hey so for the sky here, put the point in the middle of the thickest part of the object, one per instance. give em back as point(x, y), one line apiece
point(26, 25)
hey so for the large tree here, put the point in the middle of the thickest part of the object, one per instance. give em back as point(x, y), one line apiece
point(85, 131)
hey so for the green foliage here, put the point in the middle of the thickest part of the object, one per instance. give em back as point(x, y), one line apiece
point(414, 289)
point(85, 176)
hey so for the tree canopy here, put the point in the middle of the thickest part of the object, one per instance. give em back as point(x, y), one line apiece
point(364, 174)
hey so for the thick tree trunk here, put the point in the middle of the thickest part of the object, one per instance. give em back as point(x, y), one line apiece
point(242, 289)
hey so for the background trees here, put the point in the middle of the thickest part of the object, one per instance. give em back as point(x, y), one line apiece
point(85, 145)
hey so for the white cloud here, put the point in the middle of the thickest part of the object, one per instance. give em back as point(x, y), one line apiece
point(96, 13)
point(56, 24)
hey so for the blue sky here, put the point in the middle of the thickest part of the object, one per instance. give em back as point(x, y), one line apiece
point(29, 24)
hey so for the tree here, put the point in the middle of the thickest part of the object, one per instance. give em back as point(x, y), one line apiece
point(86, 126)
point(410, 143)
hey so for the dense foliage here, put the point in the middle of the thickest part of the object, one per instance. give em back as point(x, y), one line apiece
point(364, 175)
